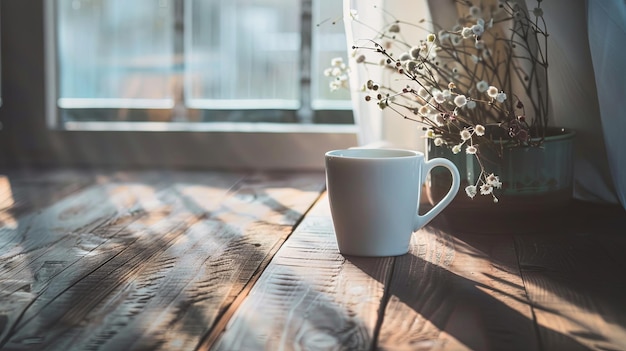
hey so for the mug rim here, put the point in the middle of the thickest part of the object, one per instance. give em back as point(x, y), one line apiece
point(373, 153)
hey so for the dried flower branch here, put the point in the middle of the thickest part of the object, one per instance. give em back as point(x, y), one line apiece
point(469, 85)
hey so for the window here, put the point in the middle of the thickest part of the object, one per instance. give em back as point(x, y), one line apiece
point(194, 61)
point(145, 83)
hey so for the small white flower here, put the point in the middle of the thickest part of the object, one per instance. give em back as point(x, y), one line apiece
point(423, 93)
point(456, 149)
point(500, 97)
point(479, 130)
point(456, 39)
point(336, 85)
point(478, 30)
point(360, 59)
point(440, 120)
point(494, 181)
point(328, 71)
point(467, 32)
point(431, 38)
point(439, 97)
point(465, 134)
point(475, 12)
point(471, 104)
point(415, 52)
point(470, 190)
point(410, 65)
point(482, 86)
point(460, 100)
point(405, 56)
point(446, 94)
point(430, 134)
point(486, 189)
point(492, 91)
point(438, 141)
point(336, 62)
point(424, 110)
point(471, 150)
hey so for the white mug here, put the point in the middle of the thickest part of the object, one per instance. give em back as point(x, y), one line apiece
point(374, 196)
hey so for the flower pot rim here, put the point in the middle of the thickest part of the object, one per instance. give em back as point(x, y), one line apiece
point(552, 134)
point(557, 133)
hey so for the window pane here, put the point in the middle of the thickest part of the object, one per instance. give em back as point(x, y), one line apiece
point(195, 61)
point(242, 54)
point(329, 41)
point(115, 53)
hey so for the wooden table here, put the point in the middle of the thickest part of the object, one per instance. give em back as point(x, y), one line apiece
point(163, 260)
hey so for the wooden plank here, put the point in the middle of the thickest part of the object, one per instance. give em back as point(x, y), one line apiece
point(602, 223)
point(460, 292)
point(310, 296)
point(575, 281)
point(163, 267)
point(23, 192)
point(60, 245)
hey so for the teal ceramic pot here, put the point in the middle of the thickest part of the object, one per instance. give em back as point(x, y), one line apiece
point(533, 178)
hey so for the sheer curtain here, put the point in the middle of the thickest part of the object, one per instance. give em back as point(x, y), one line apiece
point(379, 128)
point(583, 71)
point(607, 35)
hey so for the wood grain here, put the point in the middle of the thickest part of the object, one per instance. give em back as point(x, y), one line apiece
point(576, 294)
point(143, 261)
point(311, 297)
point(163, 260)
point(464, 293)
point(23, 191)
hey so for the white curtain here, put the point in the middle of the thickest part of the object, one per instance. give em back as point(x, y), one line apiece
point(379, 128)
point(580, 94)
point(606, 21)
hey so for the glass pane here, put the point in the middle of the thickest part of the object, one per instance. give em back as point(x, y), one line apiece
point(329, 41)
point(242, 54)
point(115, 53)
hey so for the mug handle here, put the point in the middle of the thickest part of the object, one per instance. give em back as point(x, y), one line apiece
point(421, 221)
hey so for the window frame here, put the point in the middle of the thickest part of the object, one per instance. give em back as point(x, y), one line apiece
point(32, 137)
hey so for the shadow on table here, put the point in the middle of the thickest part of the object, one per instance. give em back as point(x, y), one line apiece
point(462, 308)
point(83, 270)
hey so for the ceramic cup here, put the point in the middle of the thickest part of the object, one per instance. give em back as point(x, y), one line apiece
point(374, 196)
